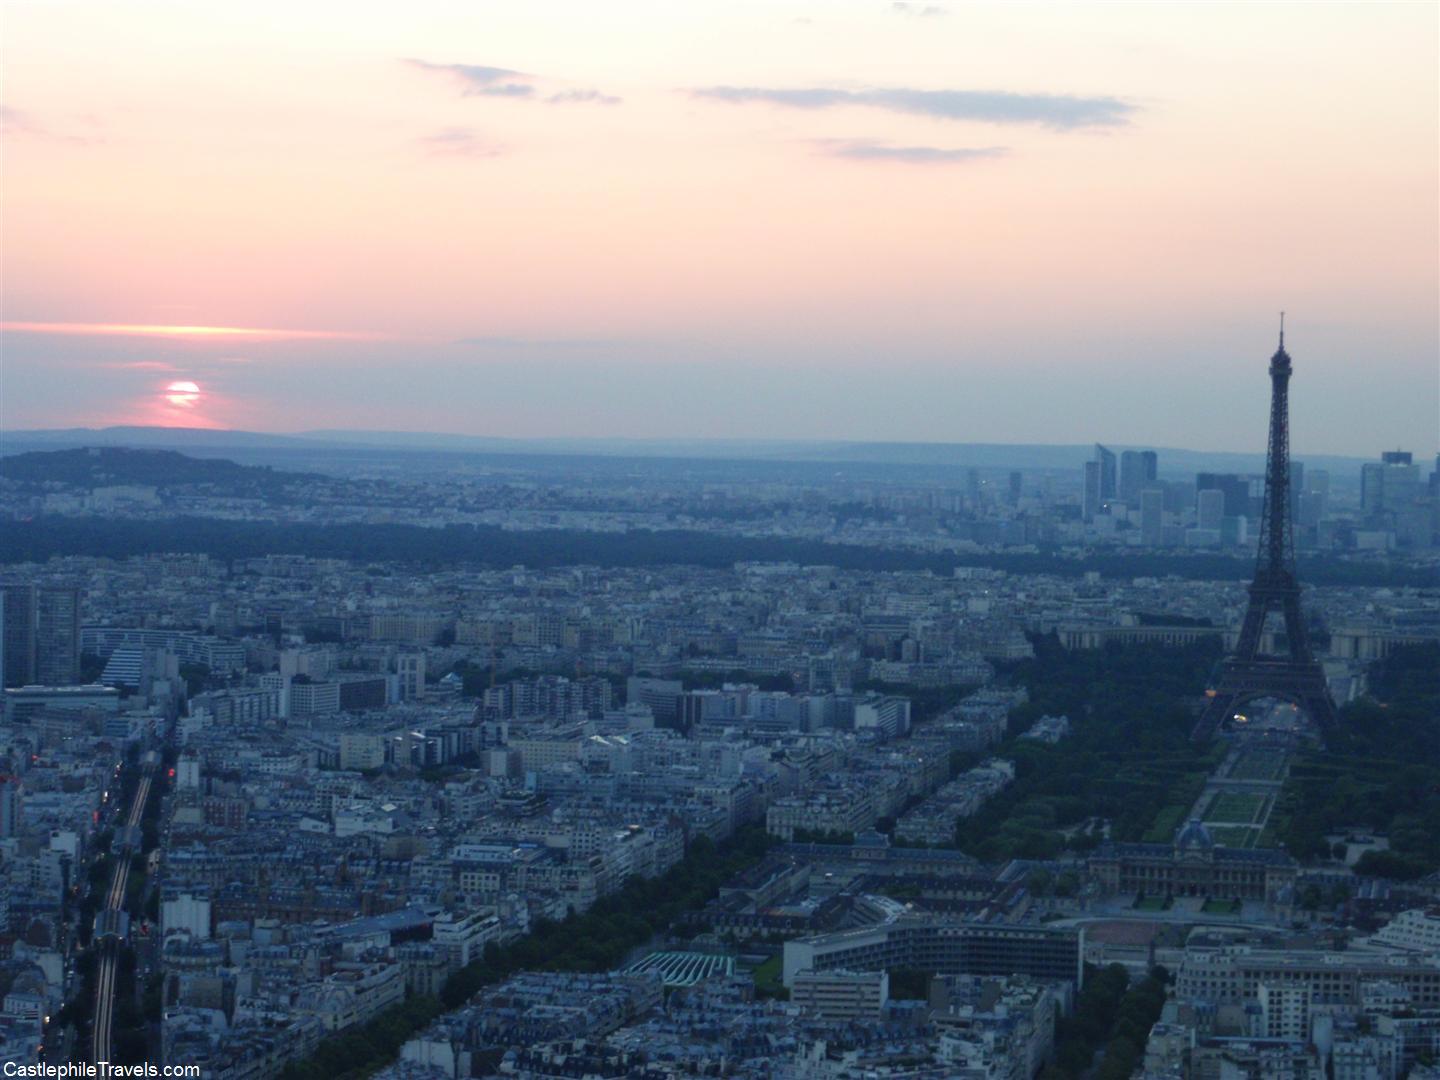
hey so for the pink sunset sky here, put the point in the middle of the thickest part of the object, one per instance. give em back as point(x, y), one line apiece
point(879, 221)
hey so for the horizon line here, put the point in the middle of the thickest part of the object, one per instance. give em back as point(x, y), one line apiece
point(317, 434)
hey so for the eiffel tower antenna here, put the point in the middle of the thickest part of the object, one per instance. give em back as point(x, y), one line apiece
point(1247, 673)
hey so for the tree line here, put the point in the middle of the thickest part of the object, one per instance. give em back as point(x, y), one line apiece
point(44, 537)
point(1380, 771)
point(1128, 758)
point(1112, 1016)
point(599, 940)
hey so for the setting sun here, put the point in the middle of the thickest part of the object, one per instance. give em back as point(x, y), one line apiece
point(184, 394)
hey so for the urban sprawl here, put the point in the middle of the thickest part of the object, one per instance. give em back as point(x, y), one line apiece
point(420, 817)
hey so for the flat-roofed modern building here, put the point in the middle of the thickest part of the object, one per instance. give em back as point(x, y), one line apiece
point(1233, 975)
point(945, 948)
point(1417, 929)
point(222, 657)
point(23, 701)
point(842, 995)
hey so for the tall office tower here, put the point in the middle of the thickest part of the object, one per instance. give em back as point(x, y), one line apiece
point(1402, 481)
point(1311, 508)
point(1297, 486)
point(18, 633)
point(1179, 496)
point(1392, 483)
point(972, 488)
point(1152, 516)
point(1372, 487)
point(41, 632)
point(1209, 508)
point(57, 636)
point(1138, 470)
point(1248, 674)
point(1236, 489)
point(1017, 482)
point(1090, 500)
point(1106, 460)
point(9, 806)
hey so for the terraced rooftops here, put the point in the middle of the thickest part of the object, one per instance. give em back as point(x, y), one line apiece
point(683, 968)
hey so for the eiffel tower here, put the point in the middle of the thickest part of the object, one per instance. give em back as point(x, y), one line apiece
point(1247, 674)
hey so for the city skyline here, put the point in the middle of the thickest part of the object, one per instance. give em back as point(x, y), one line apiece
point(792, 539)
point(868, 222)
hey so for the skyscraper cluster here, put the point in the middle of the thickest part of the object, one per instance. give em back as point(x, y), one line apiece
point(1137, 473)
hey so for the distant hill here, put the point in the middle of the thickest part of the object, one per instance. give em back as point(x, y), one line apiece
point(309, 448)
point(139, 435)
point(107, 466)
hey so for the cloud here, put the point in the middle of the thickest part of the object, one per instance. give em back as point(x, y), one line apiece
point(1060, 111)
point(16, 122)
point(458, 142)
point(580, 97)
point(918, 11)
point(800, 99)
point(142, 365)
point(478, 74)
point(182, 333)
point(869, 150)
point(165, 367)
point(502, 342)
point(480, 80)
point(515, 90)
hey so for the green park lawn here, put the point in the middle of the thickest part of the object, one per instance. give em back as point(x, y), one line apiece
point(767, 975)
point(1238, 807)
point(1259, 765)
point(1221, 907)
point(1232, 836)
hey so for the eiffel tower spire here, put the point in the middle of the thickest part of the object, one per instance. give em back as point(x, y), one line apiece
point(1247, 674)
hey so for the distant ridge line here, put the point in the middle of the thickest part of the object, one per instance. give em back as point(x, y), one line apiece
point(1022, 456)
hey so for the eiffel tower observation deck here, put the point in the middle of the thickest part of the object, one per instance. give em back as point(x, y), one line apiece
point(1247, 674)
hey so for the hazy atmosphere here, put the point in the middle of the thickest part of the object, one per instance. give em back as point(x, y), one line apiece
point(868, 221)
point(755, 540)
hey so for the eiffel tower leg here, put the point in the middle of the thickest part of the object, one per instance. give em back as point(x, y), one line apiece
point(1217, 710)
point(1321, 710)
point(1295, 629)
point(1250, 631)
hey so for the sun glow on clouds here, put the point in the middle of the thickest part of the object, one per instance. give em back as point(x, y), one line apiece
point(192, 332)
point(183, 394)
point(180, 403)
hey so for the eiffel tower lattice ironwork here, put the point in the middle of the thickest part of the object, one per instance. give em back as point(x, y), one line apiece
point(1248, 674)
